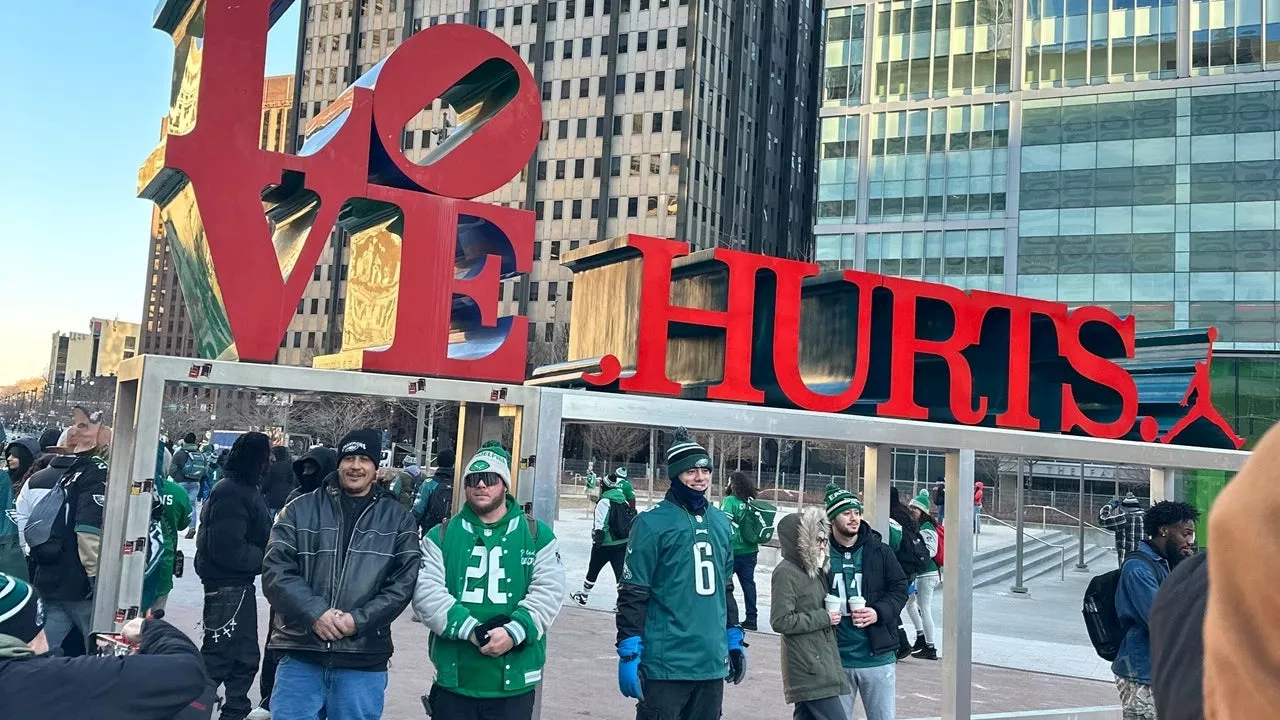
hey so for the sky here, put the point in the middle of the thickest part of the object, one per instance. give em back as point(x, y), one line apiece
point(80, 113)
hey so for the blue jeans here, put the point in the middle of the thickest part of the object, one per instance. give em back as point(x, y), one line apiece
point(302, 691)
point(744, 568)
point(61, 616)
point(193, 496)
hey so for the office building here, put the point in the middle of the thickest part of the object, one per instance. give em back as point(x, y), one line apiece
point(691, 119)
point(76, 357)
point(166, 325)
point(1111, 153)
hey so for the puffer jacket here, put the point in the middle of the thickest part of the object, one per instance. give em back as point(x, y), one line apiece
point(810, 659)
point(303, 575)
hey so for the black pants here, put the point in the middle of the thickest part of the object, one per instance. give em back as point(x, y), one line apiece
point(230, 647)
point(612, 555)
point(681, 700)
point(825, 709)
point(270, 659)
point(744, 568)
point(447, 705)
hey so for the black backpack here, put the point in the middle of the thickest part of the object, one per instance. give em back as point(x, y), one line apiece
point(1100, 618)
point(439, 505)
point(912, 553)
point(621, 517)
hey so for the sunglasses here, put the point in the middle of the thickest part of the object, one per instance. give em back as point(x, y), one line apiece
point(486, 479)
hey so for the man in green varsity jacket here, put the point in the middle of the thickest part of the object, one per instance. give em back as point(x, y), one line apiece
point(490, 586)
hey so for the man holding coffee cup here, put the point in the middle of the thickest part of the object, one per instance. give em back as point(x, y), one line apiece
point(866, 577)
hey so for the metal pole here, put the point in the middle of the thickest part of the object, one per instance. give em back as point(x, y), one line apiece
point(804, 453)
point(418, 433)
point(759, 459)
point(1018, 587)
point(915, 475)
point(957, 591)
point(653, 460)
point(1080, 564)
point(777, 469)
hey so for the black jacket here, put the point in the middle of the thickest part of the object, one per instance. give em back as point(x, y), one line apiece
point(278, 483)
point(156, 684)
point(232, 536)
point(884, 586)
point(303, 574)
point(59, 570)
point(1177, 640)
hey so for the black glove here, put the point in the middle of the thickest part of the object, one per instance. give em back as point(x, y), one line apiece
point(481, 633)
point(737, 655)
point(597, 537)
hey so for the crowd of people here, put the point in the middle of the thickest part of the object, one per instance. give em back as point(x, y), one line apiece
point(342, 548)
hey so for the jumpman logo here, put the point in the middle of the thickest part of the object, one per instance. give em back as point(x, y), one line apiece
point(1203, 405)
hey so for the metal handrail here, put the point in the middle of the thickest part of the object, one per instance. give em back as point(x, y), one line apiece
point(1062, 551)
point(1043, 511)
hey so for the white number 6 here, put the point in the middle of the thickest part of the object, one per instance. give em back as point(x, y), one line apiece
point(704, 570)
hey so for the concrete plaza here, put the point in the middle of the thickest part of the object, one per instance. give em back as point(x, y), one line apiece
point(1014, 636)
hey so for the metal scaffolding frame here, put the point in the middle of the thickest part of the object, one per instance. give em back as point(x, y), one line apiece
point(541, 414)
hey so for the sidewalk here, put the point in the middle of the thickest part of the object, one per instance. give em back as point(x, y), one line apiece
point(581, 673)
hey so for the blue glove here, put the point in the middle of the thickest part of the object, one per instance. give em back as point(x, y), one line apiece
point(737, 655)
point(911, 589)
point(629, 667)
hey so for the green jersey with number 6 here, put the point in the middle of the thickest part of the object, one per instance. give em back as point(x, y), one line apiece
point(685, 561)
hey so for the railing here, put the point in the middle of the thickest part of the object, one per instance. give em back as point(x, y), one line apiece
point(1062, 551)
point(1044, 511)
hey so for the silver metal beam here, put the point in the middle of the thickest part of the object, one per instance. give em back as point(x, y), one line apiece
point(957, 589)
point(877, 465)
point(748, 420)
point(1162, 484)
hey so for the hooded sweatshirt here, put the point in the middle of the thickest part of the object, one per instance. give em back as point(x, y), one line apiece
point(810, 659)
point(323, 458)
point(26, 451)
point(870, 569)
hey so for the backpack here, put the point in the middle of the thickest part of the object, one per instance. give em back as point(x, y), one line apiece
point(1100, 616)
point(621, 517)
point(439, 505)
point(912, 552)
point(409, 485)
point(196, 467)
point(46, 531)
point(756, 525)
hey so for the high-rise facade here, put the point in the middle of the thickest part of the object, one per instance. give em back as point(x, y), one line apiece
point(80, 357)
point(1119, 153)
point(692, 119)
point(166, 327)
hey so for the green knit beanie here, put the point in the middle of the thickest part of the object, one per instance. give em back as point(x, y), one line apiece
point(921, 502)
point(837, 500)
point(685, 454)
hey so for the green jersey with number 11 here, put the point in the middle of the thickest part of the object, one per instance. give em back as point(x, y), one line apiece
point(685, 561)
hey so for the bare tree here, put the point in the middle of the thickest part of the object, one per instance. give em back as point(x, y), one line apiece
point(330, 418)
point(841, 455)
point(181, 416)
point(615, 441)
point(548, 352)
point(260, 411)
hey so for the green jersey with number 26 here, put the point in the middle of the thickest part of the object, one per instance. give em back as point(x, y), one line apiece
point(685, 561)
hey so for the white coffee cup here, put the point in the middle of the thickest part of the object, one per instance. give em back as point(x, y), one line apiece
point(833, 603)
point(857, 602)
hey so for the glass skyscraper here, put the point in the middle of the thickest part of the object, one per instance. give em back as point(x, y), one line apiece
point(1123, 153)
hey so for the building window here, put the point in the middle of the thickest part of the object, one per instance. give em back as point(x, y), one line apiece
point(584, 87)
point(555, 244)
point(615, 166)
point(533, 286)
point(660, 80)
point(537, 250)
point(297, 339)
point(575, 213)
point(595, 215)
point(315, 273)
point(640, 82)
point(557, 210)
point(546, 90)
point(568, 293)
point(517, 15)
point(652, 209)
point(657, 122)
point(662, 39)
point(633, 207)
point(620, 84)
point(677, 121)
point(500, 18)
point(635, 165)
point(595, 167)
point(642, 41)
point(549, 50)
point(622, 43)
point(564, 89)
point(551, 295)
point(613, 207)
point(315, 306)
point(570, 9)
point(637, 123)
point(679, 82)
point(563, 128)
point(617, 124)
point(586, 47)
point(542, 170)
point(550, 328)
point(580, 165)
point(539, 209)
point(589, 8)
point(567, 52)
point(682, 37)
point(560, 169)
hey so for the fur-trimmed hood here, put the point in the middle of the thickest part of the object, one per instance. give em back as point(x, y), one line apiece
point(803, 539)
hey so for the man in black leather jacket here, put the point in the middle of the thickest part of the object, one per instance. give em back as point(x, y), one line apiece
point(333, 614)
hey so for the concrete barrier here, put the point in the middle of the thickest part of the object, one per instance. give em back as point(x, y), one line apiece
point(1091, 713)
